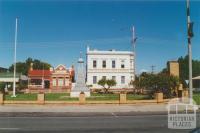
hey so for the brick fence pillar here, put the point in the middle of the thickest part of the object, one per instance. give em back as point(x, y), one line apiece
point(1, 98)
point(159, 97)
point(82, 98)
point(40, 98)
point(122, 98)
point(185, 93)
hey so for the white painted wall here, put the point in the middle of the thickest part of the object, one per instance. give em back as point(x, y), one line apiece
point(99, 71)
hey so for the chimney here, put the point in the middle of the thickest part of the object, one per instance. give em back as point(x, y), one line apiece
point(51, 69)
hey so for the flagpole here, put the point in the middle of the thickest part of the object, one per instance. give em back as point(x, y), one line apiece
point(189, 52)
point(15, 51)
point(134, 49)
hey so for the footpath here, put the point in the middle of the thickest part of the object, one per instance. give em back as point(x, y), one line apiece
point(85, 108)
point(88, 110)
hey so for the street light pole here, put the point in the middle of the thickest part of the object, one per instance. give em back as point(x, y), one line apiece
point(190, 34)
point(14, 77)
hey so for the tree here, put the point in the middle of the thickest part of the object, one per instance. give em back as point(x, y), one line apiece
point(161, 82)
point(184, 69)
point(135, 84)
point(23, 67)
point(2, 86)
point(3, 69)
point(106, 84)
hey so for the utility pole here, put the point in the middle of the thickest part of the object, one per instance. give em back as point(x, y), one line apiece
point(15, 51)
point(152, 69)
point(190, 35)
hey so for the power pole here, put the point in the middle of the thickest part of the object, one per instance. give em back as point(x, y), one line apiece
point(15, 51)
point(190, 35)
point(152, 69)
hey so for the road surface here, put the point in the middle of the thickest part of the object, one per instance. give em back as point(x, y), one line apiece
point(108, 123)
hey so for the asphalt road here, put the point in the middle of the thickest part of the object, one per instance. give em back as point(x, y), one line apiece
point(113, 123)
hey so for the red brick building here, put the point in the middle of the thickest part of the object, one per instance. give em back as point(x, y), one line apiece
point(59, 78)
point(39, 78)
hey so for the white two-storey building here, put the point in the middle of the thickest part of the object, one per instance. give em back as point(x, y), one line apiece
point(117, 65)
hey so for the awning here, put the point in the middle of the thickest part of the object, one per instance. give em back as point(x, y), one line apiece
point(198, 77)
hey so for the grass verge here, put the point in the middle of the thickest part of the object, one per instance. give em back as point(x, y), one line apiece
point(196, 98)
point(59, 97)
point(21, 97)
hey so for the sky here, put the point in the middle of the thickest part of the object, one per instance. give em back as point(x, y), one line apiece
point(56, 31)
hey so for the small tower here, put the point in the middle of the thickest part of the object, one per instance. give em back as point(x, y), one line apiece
point(173, 67)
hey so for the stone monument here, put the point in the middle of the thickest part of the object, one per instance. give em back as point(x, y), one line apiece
point(80, 85)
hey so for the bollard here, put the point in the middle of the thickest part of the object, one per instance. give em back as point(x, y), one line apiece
point(159, 97)
point(40, 98)
point(1, 98)
point(122, 98)
point(82, 98)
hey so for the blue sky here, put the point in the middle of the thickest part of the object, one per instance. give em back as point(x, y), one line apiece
point(56, 31)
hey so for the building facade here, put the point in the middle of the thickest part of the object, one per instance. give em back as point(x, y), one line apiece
point(61, 78)
point(39, 79)
point(117, 65)
point(58, 78)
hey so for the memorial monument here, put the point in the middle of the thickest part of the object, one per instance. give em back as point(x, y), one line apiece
point(80, 85)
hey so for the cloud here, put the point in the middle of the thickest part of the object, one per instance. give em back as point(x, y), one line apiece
point(143, 70)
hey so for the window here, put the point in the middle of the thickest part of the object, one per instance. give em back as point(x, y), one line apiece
point(94, 63)
point(94, 79)
point(54, 82)
point(60, 82)
point(122, 79)
point(114, 78)
point(104, 77)
point(131, 62)
point(104, 64)
point(113, 64)
point(66, 82)
point(122, 64)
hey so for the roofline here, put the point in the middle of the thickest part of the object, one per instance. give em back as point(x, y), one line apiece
point(110, 53)
point(60, 65)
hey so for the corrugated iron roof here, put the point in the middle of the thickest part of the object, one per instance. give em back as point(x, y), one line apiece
point(9, 75)
point(39, 73)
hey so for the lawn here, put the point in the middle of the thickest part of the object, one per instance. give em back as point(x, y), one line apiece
point(22, 97)
point(101, 97)
point(137, 97)
point(196, 98)
point(66, 97)
point(59, 97)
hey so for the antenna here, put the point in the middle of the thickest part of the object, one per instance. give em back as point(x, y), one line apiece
point(152, 69)
point(80, 54)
